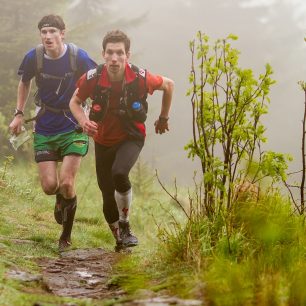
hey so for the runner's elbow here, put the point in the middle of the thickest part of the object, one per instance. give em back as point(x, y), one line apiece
point(75, 101)
point(168, 85)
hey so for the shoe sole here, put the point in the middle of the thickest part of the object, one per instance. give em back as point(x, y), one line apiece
point(122, 249)
point(129, 245)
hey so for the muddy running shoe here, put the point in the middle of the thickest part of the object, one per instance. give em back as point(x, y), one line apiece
point(127, 237)
point(64, 245)
point(123, 249)
point(57, 210)
point(115, 231)
point(119, 247)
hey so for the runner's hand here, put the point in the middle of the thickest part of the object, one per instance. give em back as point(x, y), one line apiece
point(89, 127)
point(15, 125)
point(161, 125)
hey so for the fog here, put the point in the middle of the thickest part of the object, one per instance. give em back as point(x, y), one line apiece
point(269, 31)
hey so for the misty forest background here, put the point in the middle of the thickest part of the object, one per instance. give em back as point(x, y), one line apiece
point(232, 235)
point(269, 32)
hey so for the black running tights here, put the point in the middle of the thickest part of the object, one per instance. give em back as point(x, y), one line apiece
point(113, 165)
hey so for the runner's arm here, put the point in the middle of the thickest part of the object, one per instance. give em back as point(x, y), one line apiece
point(22, 96)
point(161, 124)
point(89, 127)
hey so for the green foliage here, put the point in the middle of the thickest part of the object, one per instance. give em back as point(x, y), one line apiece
point(4, 135)
point(274, 165)
point(302, 85)
point(239, 245)
point(228, 103)
point(252, 256)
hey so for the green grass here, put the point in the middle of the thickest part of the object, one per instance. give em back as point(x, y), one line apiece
point(257, 259)
point(27, 214)
point(253, 256)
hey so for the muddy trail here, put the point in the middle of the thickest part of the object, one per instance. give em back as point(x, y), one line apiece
point(81, 273)
point(88, 273)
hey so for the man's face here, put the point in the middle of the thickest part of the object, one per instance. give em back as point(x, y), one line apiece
point(52, 38)
point(115, 59)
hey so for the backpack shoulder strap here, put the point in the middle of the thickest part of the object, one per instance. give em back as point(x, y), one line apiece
point(99, 70)
point(39, 58)
point(141, 74)
point(73, 54)
point(98, 89)
point(94, 73)
point(139, 71)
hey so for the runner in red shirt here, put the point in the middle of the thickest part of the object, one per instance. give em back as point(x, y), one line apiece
point(116, 122)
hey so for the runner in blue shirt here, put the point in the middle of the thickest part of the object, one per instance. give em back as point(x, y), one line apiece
point(56, 67)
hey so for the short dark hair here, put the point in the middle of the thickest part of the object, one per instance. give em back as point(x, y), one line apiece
point(114, 37)
point(52, 21)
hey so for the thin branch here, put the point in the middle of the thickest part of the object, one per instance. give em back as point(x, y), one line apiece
point(174, 198)
point(292, 197)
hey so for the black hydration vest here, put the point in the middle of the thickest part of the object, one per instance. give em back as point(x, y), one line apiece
point(133, 94)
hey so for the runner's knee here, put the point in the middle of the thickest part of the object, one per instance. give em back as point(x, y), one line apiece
point(49, 188)
point(67, 189)
point(121, 181)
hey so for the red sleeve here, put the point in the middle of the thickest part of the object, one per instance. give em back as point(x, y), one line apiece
point(153, 82)
point(86, 87)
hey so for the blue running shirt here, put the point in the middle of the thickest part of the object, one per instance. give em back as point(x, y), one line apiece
point(56, 92)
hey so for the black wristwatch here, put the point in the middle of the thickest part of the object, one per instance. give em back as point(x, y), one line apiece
point(18, 112)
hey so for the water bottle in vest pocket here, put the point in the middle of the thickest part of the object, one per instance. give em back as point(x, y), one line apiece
point(138, 112)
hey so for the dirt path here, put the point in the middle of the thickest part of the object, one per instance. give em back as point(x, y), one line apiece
point(86, 273)
point(83, 273)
